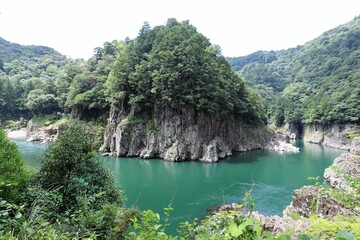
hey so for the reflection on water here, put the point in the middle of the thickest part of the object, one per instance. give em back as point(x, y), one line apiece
point(192, 187)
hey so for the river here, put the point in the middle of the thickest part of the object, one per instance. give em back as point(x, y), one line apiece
point(192, 187)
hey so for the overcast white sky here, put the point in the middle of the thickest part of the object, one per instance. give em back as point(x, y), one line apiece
point(240, 27)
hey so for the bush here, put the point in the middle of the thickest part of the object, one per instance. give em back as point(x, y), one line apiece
point(71, 167)
point(14, 176)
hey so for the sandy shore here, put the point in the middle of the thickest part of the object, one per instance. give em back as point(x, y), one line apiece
point(17, 134)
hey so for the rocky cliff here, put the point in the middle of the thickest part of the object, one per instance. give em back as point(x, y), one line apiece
point(335, 135)
point(174, 136)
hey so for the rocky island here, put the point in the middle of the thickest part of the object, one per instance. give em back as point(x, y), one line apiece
point(174, 96)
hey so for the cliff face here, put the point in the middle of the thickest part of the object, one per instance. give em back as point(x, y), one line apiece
point(345, 168)
point(179, 136)
point(335, 135)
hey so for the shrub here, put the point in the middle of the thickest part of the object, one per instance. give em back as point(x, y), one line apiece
point(14, 176)
point(70, 165)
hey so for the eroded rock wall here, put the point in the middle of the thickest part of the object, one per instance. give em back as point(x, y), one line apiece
point(179, 136)
point(334, 135)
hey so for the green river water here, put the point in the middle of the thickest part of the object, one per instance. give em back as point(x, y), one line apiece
point(193, 187)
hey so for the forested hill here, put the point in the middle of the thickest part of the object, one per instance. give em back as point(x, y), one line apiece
point(29, 79)
point(10, 51)
point(38, 80)
point(318, 82)
point(174, 96)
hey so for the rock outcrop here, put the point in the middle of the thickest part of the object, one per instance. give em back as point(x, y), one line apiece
point(282, 146)
point(293, 130)
point(316, 200)
point(40, 134)
point(345, 168)
point(335, 135)
point(182, 136)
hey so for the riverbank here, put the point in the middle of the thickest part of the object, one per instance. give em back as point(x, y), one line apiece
point(321, 210)
point(19, 134)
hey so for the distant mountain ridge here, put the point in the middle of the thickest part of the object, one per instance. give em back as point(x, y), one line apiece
point(318, 82)
point(10, 51)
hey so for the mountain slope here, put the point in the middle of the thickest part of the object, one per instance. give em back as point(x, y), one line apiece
point(318, 82)
point(10, 51)
point(27, 79)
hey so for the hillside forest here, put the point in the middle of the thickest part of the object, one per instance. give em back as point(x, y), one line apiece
point(318, 82)
point(167, 66)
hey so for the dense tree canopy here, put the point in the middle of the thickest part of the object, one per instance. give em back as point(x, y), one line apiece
point(175, 66)
point(315, 83)
point(29, 79)
point(36, 80)
point(71, 166)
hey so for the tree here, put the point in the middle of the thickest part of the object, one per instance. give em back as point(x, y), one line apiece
point(71, 168)
point(174, 66)
point(41, 102)
point(13, 173)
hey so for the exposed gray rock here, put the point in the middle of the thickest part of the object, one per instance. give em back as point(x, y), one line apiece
point(292, 130)
point(316, 200)
point(282, 146)
point(344, 168)
point(335, 135)
point(355, 146)
point(175, 136)
point(40, 134)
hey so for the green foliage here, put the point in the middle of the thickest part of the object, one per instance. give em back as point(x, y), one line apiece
point(87, 87)
point(352, 134)
point(328, 229)
point(14, 176)
point(70, 167)
point(38, 101)
point(176, 67)
point(148, 225)
point(30, 80)
point(314, 83)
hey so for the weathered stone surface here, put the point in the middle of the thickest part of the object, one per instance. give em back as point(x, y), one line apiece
point(334, 135)
point(50, 130)
point(182, 136)
point(293, 130)
point(344, 165)
point(355, 146)
point(40, 134)
point(283, 147)
point(316, 200)
point(304, 201)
